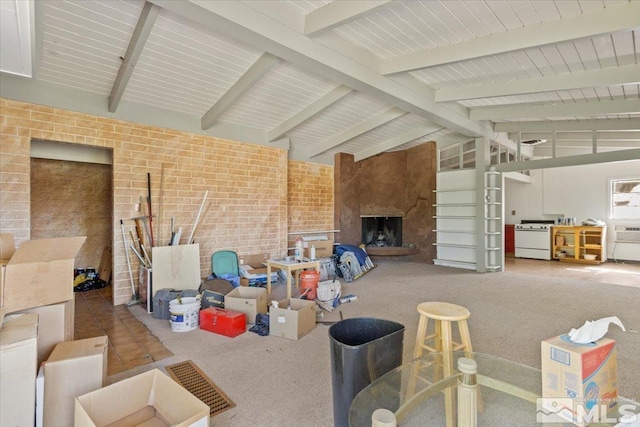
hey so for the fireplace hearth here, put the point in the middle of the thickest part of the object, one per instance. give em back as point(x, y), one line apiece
point(382, 231)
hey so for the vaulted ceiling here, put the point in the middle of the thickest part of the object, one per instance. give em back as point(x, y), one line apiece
point(320, 77)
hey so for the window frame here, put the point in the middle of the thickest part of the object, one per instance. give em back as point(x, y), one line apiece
point(622, 214)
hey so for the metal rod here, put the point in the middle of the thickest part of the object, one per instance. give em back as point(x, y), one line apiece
point(134, 294)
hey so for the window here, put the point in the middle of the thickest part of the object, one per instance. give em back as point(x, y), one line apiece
point(625, 198)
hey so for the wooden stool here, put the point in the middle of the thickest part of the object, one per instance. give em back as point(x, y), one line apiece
point(443, 314)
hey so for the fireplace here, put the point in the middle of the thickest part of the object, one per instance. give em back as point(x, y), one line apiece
point(382, 231)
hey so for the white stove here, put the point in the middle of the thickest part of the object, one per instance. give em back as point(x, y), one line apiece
point(533, 239)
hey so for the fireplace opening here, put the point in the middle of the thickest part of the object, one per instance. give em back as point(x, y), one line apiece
point(382, 231)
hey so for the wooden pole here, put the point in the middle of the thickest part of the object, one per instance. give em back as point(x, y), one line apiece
point(193, 230)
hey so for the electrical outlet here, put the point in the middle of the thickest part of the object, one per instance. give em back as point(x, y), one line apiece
point(513, 212)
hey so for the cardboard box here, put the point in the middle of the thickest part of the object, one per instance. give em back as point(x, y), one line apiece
point(55, 325)
point(576, 377)
point(247, 300)
point(150, 397)
point(18, 367)
point(73, 369)
point(7, 247)
point(292, 323)
point(224, 322)
point(253, 270)
point(40, 397)
point(323, 245)
point(40, 273)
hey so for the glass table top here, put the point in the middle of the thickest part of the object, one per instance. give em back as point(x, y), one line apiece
point(509, 396)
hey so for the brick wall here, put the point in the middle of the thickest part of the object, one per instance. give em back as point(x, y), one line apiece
point(247, 184)
point(309, 198)
point(72, 198)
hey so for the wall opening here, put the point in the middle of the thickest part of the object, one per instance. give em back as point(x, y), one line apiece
point(71, 192)
point(382, 230)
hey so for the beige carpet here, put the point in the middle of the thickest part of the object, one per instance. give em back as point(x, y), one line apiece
point(278, 382)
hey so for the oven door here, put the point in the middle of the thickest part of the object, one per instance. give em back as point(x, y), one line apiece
point(533, 243)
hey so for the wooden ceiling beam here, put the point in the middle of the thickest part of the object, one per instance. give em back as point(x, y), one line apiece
point(134, 50)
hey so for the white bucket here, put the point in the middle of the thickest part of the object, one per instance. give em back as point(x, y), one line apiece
point(324, 292)
point(185, 314)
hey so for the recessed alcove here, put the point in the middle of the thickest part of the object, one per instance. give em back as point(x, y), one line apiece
point(396, 184)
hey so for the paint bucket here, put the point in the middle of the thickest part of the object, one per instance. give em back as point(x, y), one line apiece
point(309, 280)
point(324, 292)
point(185, 314)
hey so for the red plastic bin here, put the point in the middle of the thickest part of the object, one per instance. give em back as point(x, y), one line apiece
point(224, 322)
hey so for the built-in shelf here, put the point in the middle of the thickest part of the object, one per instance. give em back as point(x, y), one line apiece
point(450, 205)
point(455, 245)
point(456, 231)
point(452, 190)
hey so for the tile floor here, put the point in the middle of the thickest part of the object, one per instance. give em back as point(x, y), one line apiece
point(131, 344)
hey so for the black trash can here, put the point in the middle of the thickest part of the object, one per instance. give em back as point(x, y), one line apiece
point(362, 350)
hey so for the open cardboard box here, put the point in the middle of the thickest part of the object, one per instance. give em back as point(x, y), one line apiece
point(292, 319)
point(40, 272)
point(247, 300)
point(252, 267)
point(150, 398)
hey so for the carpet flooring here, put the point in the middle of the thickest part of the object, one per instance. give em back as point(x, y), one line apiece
point(279, 382)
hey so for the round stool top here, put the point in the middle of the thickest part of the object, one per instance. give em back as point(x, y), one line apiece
point(443, 311)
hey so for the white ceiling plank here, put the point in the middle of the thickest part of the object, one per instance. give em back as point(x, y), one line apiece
point(310, 111)
point(248, 79)
point(587, 53)
point(583, 79)
point(622, 106)
point(415, 133)
point(338, 13)
point(624, 45)
point(42, 93)
point(259, 31)
point(357, 130)
point(606, 21)
point(284, 12)
point(136, 45)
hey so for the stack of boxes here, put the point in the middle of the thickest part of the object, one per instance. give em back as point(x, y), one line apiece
point(36, 294)
point(36, 290)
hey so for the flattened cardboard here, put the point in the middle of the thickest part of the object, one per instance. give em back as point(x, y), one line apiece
point(324, 248)
point(41, 273)
point(18, 367)
point(176, 267)
point(172, 404)
point(73, 369)
point(292, 323)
